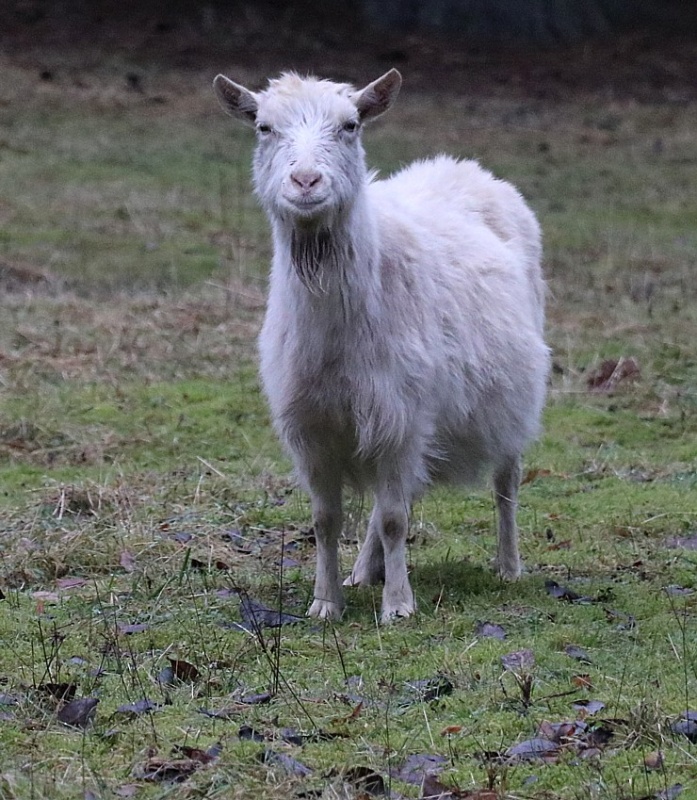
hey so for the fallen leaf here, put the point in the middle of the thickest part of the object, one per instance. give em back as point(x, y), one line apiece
point(563, 545)
point(127, 561)
point(417, 766)
point(249, 734)
point(64, 692)
point(46, 597)
point(183, 671)
point(533, 474)
point(256, 699)
point(533, 750)
point(518, 661)
point(71, 583)
point(577, 653)
point(195, 753)
point(563, 593)
point(612, 372)
point(670, 793)
point(136, 627)
point(78, 713)
point(365, 779)
point(582, 681)
point(127, 790)
point(588, 707)
point(686, 726)
point(161, 768)
point(677, 591)
point(490, 630)
point(288, 763)
point(626, 621)
point(451, 730)
point(256, 615)
point(653, 760)
point(688, 542)
point(426, 690)
point(143, 706)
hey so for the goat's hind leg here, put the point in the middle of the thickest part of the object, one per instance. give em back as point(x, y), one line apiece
point(392, 520)
point(328, 600)
point(369, 568)
point(506, 483)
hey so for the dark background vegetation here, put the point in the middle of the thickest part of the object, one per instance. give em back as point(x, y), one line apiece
point(546, 47)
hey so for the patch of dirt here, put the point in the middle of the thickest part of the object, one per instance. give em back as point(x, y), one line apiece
point(16, 277)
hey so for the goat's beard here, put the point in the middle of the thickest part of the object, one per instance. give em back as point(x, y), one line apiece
point(314, 256)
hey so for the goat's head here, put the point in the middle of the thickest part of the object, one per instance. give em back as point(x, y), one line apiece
point(309, 162)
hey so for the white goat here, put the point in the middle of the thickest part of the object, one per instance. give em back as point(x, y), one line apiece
point(403, 339)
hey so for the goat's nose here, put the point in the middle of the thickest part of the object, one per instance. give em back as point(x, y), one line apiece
point(305, 179)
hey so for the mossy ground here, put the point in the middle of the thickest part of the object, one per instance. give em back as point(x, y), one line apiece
point(141, 484)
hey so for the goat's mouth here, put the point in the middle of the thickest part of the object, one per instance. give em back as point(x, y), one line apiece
point(306, 204)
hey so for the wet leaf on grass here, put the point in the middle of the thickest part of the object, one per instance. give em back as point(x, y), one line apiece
point(366, 780)
point(71, 583)
point(425, 691)
point(582, 681)
point(180, 765)
point(688, 542)
point(536, 749)
point(64, 692)
point(291, 765)
point(686, 726)
point(669, 793)
point(8, 699)
point(612, 372)
point(136, 627)
point(654, 760)
point(143, 706)
point(578, 653)
point(127, 790)
point(564, 593)
point(256, 615)
point(205, 566)
point(489, 630)
point(677, 591)
point(178, 671)
point(249, 734)
point(226, 712)
point(256, 699)
point(78, 713)
point(588, 707)
point(417, 766)
point(518, 660)
point(626, 622)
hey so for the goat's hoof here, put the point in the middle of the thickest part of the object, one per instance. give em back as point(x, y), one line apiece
point(325, 609)
point(394, 611)
point(364, 579)
point(509, 572)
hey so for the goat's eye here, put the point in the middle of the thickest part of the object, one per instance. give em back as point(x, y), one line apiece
point(350, 126)
point(264, 130)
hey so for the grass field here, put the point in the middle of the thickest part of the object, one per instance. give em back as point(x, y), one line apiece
point(145, 506)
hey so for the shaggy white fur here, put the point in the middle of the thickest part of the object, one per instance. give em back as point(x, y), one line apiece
point(403, 339)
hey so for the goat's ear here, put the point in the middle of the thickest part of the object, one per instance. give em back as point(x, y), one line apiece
point(378, 96)
point(235, 99)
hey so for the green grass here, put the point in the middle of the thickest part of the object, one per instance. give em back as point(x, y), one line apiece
point(134, 442)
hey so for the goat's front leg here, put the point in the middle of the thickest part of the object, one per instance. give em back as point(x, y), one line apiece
point(326, 512)
point(391, 512)
point(506, 483)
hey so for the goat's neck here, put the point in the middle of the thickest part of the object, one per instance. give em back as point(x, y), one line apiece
point(335, 259)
